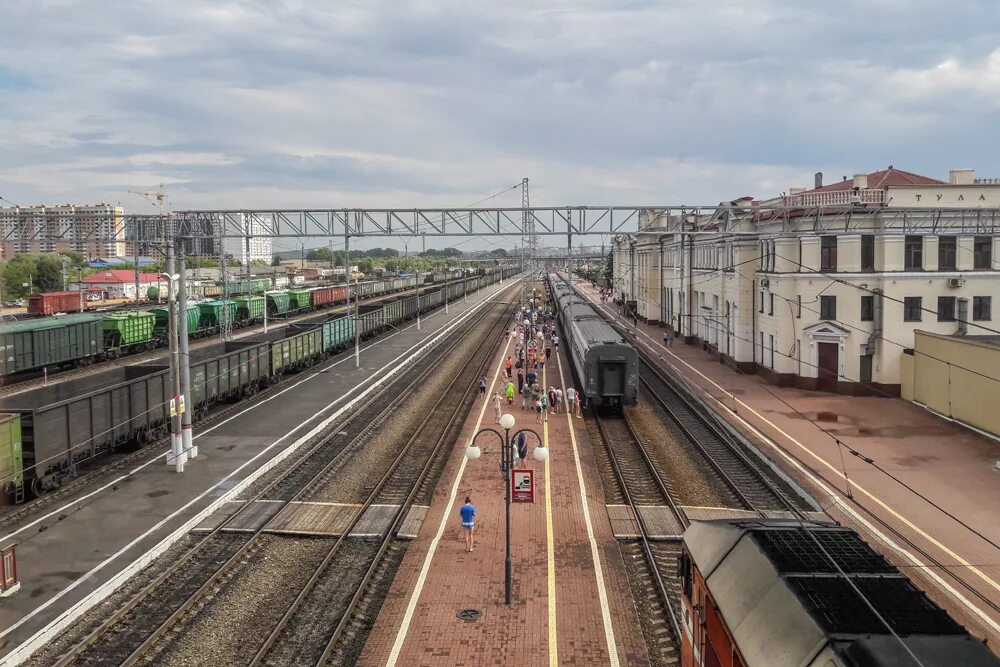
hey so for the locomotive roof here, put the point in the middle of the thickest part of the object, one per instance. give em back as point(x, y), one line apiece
point(779, 587)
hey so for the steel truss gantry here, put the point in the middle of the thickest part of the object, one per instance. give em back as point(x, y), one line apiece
point(208, 227)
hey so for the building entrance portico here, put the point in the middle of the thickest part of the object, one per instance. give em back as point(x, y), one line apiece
point(826, 354)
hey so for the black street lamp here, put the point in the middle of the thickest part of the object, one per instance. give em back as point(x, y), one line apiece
point(507, 443)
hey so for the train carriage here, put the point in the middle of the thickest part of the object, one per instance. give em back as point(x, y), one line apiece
point(50, 342)
point(129, 330)
point(604, 362)
point(249, 308)
point(278, 303)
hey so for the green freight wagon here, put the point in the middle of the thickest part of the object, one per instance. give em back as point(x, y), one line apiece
point(162, 319)
point(300, 349)
point(299, 299)
point(11, 457)
point(249, 308)
point(49, 341)
point(277, 303)
point(258, 285)
point(214, 313)
point(338, 334)
point(128, 329)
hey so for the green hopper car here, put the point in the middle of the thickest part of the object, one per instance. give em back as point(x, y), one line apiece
point(162, 315)
point(129, 329)
point(249, 308)
point(277, 303)
point(215, 313)
point(11, 456)
point(299, 299)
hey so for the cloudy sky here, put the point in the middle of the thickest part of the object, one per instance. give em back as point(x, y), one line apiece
point(332, 104)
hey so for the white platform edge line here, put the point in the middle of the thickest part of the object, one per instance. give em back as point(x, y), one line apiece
point(32, 644)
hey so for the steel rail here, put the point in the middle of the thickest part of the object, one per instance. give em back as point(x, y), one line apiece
point(398, 516)
point(647, 549)
point(141, 595)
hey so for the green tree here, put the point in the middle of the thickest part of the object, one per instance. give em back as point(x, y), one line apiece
point(275, 261)
point(366, 265)
point(499, 252)
point(609, 268)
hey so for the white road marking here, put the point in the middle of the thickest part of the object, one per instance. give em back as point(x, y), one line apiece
point(24, 651)
point(411, 606)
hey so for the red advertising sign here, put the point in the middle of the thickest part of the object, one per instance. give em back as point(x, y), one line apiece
point(522, 484)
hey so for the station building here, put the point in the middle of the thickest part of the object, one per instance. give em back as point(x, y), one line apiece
point(822, 288)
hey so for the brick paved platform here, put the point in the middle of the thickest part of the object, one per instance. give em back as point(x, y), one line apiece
point(941, 462)
point(555, 573)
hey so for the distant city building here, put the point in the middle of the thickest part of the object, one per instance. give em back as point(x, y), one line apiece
point(822, 298)
point(92, 230)
point(118, 283)
point(255, 246)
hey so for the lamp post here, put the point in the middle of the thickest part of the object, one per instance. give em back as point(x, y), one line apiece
point(507, 441)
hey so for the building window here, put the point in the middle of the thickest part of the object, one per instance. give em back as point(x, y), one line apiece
point(798, 306)
point(946, 309)
point(982, 252)
point(827, 307)
point(913, 253)
point(912, 309)
point(770, 308)
point(981, 306)
point(770, 340)
point(867, 308)
point(947, 247)
point(760, 308)
point(828, 253)
point(868, 252)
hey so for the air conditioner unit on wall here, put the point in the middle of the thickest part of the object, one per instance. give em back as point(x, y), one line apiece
point(956, 282)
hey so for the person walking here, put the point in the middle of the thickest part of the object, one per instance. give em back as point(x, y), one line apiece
point(525, 395)
point(541, 361)
point(510, 392)
point(468, 514)
point(520, 380)
point(552, 398)
point(570, 400)
point(508, 365)
point(559, 400)
point(482, 386)
point(522, 446)
point(497, 406)
point(555, 343)
point(543, 406)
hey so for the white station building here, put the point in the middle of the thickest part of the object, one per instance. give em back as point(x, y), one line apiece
point(822, 288)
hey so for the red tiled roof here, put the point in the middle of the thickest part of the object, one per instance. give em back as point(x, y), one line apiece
point(120, 276)
point(883, 179)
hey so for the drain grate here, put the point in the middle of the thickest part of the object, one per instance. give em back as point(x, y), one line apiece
point(469, 614)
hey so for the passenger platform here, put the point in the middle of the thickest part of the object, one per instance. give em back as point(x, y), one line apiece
point(572, 603)
point(79, 550)
point(927, 500)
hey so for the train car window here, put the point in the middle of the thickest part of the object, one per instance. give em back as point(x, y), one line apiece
point(684, 572)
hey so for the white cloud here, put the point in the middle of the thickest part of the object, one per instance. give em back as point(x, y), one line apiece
point(437, 103)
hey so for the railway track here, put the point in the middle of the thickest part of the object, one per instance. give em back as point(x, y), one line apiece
point(639, 483)
point(129, 634)
point(14, 386)
point(11, 515)
point(757, 486)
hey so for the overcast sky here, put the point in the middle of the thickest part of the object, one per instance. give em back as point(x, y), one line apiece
point(339, 104)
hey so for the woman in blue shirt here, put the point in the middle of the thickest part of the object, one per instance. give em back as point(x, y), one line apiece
point(468, 513)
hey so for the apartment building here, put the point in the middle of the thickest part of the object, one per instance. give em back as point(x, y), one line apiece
point(94, 230)
point(822, 288)
point(255, 246)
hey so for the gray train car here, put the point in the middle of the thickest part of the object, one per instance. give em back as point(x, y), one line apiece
point(68, 423)
point(766, 592)
point(606, 365)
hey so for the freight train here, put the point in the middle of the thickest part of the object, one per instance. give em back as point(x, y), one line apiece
point(606, 365)
point(83, 338)
point(62, 425)
point(771, 592)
